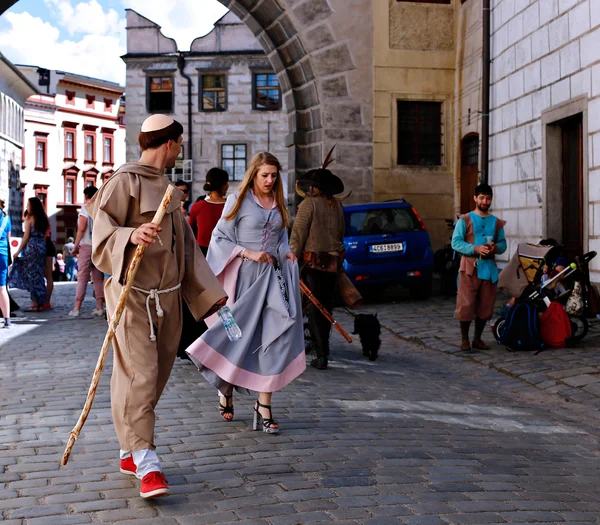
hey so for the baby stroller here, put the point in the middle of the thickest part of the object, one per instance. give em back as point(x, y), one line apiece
point(522, 278)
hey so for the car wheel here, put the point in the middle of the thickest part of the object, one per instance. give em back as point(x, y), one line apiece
point(421, 290)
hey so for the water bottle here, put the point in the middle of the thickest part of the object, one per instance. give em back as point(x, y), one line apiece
point(231, 327)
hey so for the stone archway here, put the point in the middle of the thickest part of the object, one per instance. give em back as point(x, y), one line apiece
point(322, 51)
point(316, 60)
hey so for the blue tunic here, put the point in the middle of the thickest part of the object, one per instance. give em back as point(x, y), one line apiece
point(482, 227)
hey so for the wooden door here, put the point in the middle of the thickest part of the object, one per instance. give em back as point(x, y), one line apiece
point(572, 186)
point(469, 172)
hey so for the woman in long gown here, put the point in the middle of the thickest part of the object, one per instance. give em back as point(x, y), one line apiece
point(250, 255)
point(27, 272)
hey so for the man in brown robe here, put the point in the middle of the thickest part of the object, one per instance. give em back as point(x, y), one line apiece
point(146, 340)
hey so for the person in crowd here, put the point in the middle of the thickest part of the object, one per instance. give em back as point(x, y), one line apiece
point(250, 254)
point(172, 269)
point(83, 250)
point(205, 213)
point(48, 269)
point(5, 228)
point(59, 268)
point(318, 240)
point(69, 259)
point(185, 197)
point(30, 258)
point(478, 236)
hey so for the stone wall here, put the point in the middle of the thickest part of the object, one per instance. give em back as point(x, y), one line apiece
point(323, 53)
point(421, 27)
point(546, 65)
point(469, 84)
point(413, 75)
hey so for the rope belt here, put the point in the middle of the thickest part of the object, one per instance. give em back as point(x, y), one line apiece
point(154, 294)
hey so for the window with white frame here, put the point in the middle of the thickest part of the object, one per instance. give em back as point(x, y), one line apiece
point(233, 160)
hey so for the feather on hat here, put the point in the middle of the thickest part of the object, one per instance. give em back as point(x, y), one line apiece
point(323, 178)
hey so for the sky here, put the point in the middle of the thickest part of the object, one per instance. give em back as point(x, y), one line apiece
point(88, 37)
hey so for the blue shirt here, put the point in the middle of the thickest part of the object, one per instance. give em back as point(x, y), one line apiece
point(482, 227)
point(4, 237)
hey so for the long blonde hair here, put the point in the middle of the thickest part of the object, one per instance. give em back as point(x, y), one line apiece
point(262, 159)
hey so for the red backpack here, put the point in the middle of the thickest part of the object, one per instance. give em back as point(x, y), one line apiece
point(555, 327)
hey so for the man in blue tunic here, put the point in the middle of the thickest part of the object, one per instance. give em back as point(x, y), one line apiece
point(478, 237)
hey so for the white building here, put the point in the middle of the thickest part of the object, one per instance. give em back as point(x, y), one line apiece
point(545, 121)
point(224, 86)
point(74, 137)
point(14, 90)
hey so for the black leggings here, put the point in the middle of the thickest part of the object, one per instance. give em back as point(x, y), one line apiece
point(322, 285)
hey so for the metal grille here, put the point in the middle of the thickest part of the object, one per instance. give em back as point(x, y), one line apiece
point(420, 133)
point(470, 151)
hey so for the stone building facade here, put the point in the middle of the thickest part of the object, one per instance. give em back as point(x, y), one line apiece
point(235, 99)
point(74, 137)
point(14, 91)
point(322, 53)
point(427, 106)
point(545, 121)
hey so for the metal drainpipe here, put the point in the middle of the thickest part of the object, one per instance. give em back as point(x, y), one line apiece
point(181, 66)
point(485, 98)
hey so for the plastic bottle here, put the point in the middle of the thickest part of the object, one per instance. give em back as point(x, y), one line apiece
point(231, 327)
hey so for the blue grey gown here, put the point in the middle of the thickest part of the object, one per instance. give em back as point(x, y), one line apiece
point(268, 309)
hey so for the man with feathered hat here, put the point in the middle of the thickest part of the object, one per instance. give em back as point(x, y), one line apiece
point(318, 240)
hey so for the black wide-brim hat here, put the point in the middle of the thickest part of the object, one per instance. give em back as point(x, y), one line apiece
point(324, 180)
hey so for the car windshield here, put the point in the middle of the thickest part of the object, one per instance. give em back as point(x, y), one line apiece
point(379, 221)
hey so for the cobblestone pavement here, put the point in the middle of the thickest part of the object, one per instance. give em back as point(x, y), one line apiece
point(573, 373)
point(418, 437)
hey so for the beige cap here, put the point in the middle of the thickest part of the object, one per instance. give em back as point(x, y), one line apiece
point(156, 122)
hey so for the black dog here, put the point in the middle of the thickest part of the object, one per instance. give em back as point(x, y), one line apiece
point(368, 328)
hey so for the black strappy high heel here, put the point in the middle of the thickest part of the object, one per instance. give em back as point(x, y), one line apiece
point(268, 424)
point(224, 410)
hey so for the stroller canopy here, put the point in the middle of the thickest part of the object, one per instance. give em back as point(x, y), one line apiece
point(525, 267)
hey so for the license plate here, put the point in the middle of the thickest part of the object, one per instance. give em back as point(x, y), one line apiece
point(382, 248)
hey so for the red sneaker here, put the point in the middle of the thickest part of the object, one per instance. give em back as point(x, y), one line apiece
point(154, 485)
point(128, 466)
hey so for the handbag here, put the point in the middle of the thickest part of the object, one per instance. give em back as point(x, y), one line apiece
point(348, 292)
point(574, 304)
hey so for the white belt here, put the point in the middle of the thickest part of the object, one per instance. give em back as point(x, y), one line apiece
point(154, 294)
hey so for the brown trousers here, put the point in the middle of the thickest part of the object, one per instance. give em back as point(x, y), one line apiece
point(141, 367)
point(476, 298)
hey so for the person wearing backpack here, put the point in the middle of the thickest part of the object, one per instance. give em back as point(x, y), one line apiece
point(83, 251)
point(478, 237)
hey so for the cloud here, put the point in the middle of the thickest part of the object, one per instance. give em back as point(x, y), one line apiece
point(182, 20)
point(87, 18)
point(96, 36)
point(95, 54)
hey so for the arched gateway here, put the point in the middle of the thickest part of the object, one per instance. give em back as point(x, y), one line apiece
point(322, 51)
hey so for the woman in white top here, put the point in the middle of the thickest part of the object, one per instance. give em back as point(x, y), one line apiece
point(85, 268)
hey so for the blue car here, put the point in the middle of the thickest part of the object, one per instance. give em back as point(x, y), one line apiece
point(387, 243)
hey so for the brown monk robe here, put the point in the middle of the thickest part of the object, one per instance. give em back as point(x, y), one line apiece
point(146, 341)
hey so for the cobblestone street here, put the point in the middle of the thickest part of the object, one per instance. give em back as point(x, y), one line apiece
point(422, 436)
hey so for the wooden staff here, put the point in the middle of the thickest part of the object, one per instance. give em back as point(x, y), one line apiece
point(112, 327)
point(311, 297)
